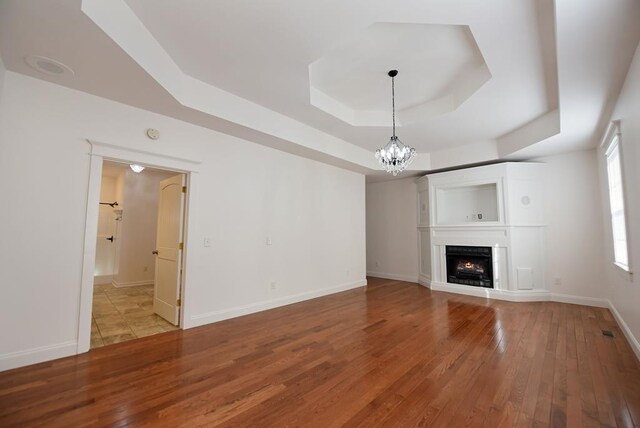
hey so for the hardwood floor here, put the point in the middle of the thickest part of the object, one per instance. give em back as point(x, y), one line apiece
point(391, 354)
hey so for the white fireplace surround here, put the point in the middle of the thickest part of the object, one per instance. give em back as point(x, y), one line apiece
point(499, 206)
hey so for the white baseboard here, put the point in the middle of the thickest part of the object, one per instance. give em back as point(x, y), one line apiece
point(102, 279)
point(633, 341)
point(579, 300)
point(515, 296)
point(490, 293)
point(13, 360)
point(424, 280)
point(223, 314)
point(131, 284)
point(393, 276)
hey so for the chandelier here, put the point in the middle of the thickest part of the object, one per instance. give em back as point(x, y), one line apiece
point(395, 156)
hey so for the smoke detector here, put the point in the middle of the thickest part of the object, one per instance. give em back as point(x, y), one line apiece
point(48, 66)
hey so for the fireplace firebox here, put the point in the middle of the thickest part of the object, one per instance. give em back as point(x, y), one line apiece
point(470, 266)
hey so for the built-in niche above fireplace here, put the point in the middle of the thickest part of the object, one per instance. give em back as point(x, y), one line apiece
point(469, 266)
point(481, 231)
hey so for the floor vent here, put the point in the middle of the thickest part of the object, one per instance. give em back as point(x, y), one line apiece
point(607, 333)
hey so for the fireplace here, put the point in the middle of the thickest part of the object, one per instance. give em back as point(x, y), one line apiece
point(470, 266)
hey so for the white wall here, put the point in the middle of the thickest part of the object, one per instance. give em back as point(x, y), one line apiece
point(573, 213)
point(314, 213)
point(137, 230)
point(624, 290)
point(105, 250)
point(392, 238)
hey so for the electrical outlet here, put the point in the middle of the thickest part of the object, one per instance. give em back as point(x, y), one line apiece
point(273, 286)
point(348, 272)
point(207, 241)
point(377, 264)
point(145, 268)
point(557, 281)
point(269, 241)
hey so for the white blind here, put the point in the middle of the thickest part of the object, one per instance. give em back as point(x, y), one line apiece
point(616, 201)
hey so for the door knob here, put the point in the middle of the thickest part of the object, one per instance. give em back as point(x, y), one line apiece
point(109, 238)
point(155, 252)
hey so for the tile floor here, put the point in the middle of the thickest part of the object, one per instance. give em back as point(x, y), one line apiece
point(126, 313)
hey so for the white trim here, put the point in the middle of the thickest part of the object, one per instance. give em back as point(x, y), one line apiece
point(633, 341)
point(613, 139)
point(492, 293)
point(612, 130)
point(147, 158)
point(580, 300)
point(424, 280)
point(13, 360)
point(131, 283)
point(98, 153)
point(223, 314)
point(393, 276)
point(102, 279)
point(89, 255)
point(624, 269)
point(515, 296)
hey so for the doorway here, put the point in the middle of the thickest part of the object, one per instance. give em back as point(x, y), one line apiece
point(138, 258)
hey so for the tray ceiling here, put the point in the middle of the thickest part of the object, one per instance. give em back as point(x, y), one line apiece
point(478, 82)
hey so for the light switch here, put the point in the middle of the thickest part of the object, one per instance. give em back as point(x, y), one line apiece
point(269, 242)
point(207, 241)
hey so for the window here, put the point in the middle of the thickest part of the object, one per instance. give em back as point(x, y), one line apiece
point(616, 203)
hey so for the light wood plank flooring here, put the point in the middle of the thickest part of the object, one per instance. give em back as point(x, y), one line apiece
point(390, 354)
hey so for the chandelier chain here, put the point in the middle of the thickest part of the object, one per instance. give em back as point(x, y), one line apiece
point(393, 103)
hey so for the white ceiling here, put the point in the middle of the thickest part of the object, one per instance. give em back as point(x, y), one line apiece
point(441, 67)
point(554, 69)
point(261, 51)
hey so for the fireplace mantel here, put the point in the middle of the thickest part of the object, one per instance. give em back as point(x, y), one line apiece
point(499, 206)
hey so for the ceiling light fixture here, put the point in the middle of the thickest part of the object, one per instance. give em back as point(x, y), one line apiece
point(48, 66)
point(136, 168)
point(395, 156)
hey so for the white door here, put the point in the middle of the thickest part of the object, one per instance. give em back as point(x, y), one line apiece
point(166, 302)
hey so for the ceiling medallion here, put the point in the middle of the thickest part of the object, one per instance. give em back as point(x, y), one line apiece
point(395, 156)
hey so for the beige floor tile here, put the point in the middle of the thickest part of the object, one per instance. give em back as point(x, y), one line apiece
point(136, 314)
point(121, 314)
point(101, 313)
point(111, 320)
point(170, 327)
point(145, 322)
point(96, 341)
point(118, 338)
point(142, 332)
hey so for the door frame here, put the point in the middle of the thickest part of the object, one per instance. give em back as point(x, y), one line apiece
point(98, 154)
